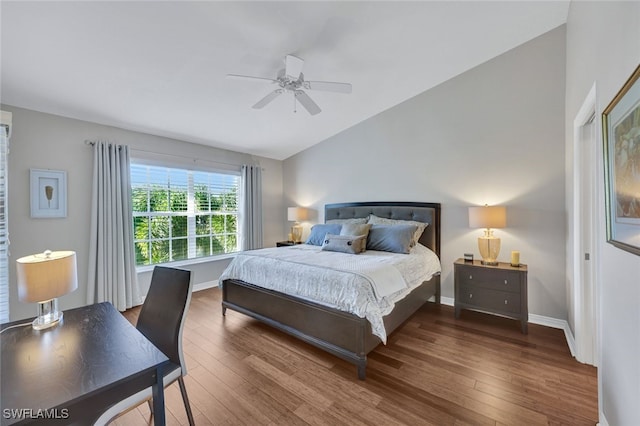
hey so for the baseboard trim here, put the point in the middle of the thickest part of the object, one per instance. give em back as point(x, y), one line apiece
point(548, 321)
point(556, 323)
point(205, 285)
point(571, 340)
point(603, 420)
point(446, 301)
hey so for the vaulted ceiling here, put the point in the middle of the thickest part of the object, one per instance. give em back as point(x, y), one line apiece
point(160, 67)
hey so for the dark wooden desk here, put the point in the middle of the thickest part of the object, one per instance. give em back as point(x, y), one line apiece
point(73, 372)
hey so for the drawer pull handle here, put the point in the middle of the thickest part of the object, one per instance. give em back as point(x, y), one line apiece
point(470, 295)
point(505, 282)
point(470, 277)
point(506, 302)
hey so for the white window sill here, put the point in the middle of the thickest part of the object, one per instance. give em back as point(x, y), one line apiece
point(181, 263)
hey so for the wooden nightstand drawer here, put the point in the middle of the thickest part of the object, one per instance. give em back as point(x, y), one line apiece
point(491, 300)
point(490, 278)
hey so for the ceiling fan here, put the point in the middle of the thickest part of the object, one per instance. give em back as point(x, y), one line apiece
point(290, 79)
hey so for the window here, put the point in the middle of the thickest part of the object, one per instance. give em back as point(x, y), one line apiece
point(181, 214)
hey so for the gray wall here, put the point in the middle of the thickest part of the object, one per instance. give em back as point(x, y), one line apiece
point(603, 46)
point(494, 135)
point(47, 141)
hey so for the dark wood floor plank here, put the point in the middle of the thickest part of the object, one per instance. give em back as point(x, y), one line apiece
point(404, 415)
point(435, 370)
point(461, 392)
point(265, 384)
point(213, 365)
point(338, 388)
point(234, 401)
point(206, 401)
point(428, 405)
point(323, 417)
point(539, 401)
point(292, 384)
point(294, 345)
point(503, 353)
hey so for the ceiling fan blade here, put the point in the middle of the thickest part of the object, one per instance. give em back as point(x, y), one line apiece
point(267, 99)
point(293, 67)
point(307, 102)
point(328, 86)
point(249, 77)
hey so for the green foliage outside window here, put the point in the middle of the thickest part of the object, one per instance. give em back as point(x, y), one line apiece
point(162, 218)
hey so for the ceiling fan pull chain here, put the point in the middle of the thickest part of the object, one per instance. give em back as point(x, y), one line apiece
point(295, 109)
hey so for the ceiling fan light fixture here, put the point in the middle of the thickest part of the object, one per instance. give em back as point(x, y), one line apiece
point(293, 67)
point(291, 79)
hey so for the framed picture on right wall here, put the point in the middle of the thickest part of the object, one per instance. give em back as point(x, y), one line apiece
point(621, 136)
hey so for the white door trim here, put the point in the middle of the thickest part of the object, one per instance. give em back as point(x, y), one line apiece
point(584, 301)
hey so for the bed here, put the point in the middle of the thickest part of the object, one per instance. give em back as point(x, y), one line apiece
point(340, 333)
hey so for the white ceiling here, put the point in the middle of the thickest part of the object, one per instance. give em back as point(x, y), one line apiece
point(159, 67)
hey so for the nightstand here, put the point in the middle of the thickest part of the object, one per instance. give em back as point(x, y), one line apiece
point(500, 290)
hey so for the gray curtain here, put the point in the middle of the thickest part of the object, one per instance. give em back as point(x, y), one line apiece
point(112, 271)
point(251, 208)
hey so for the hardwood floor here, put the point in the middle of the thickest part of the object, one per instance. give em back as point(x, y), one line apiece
point(477, 370)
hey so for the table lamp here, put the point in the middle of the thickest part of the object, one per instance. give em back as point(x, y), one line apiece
point(297, 214)
point(44, 277)
point(488, 217)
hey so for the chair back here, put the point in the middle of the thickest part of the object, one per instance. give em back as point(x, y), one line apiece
point(163, 312)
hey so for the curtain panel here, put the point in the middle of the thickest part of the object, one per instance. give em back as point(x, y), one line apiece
point(112, 272)
point(251, 209)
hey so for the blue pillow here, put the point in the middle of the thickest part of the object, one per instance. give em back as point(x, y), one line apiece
point(393, 238)
point(318, 232)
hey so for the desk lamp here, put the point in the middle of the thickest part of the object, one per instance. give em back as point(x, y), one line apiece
point(296, 214)
point(488, 217)
point(44, 277)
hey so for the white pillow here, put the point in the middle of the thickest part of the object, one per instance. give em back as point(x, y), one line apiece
point(357, 229)
point(421, 226)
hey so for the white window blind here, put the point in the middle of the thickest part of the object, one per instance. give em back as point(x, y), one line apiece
point(4, 232)
point(181, 214)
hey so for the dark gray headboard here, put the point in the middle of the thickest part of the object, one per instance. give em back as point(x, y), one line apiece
point(421, 212)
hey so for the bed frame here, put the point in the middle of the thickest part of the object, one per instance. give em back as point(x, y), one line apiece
point(340, 333)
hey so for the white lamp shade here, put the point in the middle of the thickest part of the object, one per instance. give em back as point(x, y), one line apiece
point(297, 214)
point(487, 217)
point(45, 276)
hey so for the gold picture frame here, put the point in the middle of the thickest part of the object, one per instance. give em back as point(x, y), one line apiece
point(621, 140)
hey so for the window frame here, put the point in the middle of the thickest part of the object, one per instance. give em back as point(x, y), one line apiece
point(190, 213)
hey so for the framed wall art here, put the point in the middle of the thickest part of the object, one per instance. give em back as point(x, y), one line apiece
point(48, 193)
point(621, 136)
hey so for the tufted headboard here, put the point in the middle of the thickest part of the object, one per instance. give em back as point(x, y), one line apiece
point(421, 212)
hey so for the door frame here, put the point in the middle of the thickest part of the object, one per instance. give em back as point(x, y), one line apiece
point(585, 301)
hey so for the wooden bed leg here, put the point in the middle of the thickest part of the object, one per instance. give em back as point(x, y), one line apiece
point(362, 370)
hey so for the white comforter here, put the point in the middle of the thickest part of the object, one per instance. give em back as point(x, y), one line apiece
point(367, 285)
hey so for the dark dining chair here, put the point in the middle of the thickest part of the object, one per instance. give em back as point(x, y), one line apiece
point(161, 320)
